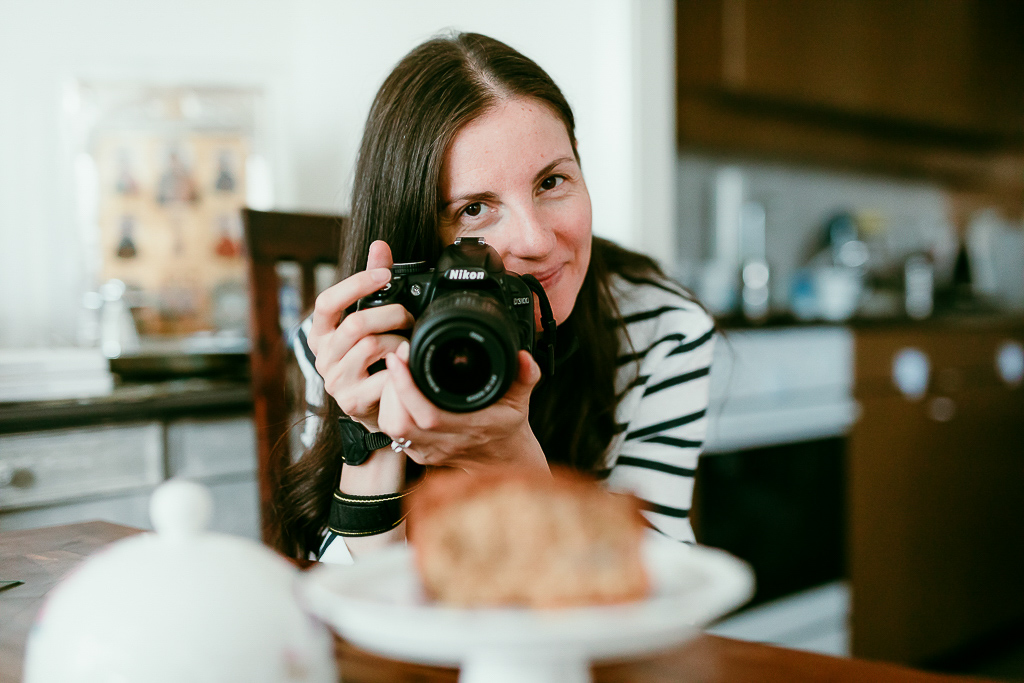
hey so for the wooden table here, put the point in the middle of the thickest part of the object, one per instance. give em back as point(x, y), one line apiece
point(42, 557)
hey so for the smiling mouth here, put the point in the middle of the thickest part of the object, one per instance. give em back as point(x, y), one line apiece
point(550, 277)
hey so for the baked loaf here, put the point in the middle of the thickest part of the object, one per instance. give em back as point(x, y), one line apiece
point(508, 538)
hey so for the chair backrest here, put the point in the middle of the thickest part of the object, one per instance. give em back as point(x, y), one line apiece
point(274, 238)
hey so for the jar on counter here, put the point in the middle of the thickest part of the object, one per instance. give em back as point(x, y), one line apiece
point(918, 286)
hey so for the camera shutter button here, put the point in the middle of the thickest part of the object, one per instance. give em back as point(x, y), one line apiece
point(382, 292)
point(413, 268)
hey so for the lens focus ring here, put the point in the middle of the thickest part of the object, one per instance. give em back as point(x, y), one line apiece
point(463, 353)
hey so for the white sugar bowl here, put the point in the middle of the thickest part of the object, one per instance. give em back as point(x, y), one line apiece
point(181, 604)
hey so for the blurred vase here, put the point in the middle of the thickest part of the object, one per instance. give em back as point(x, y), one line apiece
point(837, 292)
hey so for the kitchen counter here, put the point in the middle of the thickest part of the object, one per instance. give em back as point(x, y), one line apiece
point(778, 385)
point(942, 319)
point(785, 380)
point(70, 460)
point(130, 401)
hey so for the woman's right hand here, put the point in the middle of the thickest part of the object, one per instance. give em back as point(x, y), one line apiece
point(345, 346)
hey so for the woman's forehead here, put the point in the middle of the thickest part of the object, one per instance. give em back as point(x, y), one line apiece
point(516, 137)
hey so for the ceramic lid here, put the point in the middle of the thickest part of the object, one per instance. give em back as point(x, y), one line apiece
point(180, 604)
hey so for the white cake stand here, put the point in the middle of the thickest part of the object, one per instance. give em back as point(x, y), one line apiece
point(378, 605)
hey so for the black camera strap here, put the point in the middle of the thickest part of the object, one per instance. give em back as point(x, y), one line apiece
point(353, 515)
point(545, 350)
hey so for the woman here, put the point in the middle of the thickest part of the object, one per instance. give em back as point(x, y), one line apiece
point(467, 137)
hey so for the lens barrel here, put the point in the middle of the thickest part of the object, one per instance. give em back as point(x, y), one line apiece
point(463, 351)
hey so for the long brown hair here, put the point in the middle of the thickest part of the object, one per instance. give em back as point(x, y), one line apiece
point(427, 99)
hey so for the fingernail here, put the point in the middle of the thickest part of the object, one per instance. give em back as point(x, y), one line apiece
point(403, 351)
point(380, 275)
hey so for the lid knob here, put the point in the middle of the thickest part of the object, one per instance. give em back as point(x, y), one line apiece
point(180, 509)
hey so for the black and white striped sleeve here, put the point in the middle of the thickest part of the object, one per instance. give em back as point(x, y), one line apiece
point(331, 549)
point(663, 413)
point(314, 391)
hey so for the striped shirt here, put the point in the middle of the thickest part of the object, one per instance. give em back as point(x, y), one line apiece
point(662, 375)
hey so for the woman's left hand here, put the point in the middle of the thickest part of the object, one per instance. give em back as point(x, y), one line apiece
point(499, 434)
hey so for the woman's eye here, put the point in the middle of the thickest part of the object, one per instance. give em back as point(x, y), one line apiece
point(474, 209)
point(551, 182)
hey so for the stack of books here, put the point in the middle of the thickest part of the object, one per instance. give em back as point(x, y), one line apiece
point(50, 374)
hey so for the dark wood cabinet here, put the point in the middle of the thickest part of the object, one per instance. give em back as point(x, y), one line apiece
point(922, 87)
point(936, 495)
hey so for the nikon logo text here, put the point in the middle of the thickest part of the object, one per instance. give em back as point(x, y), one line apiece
point(463, 274)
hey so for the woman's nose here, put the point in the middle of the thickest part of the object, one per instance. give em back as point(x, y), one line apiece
point(530, 237)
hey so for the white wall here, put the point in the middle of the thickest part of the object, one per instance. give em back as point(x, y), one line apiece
point(320, 63)
point(46, 44)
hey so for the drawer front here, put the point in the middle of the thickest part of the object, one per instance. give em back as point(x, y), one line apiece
point(128, 509)
point(67, 464)
point(236, 507)
point(956, 359)
point(199, 449)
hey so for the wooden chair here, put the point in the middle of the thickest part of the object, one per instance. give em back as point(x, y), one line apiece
point(272, 238)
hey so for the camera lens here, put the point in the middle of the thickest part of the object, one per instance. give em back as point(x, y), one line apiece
point(461, 366)
point(463, 351)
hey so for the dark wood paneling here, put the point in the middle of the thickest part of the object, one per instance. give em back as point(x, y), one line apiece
point(928, 88)
point(936, 497)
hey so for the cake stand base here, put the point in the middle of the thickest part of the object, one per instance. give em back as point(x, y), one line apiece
point(501, 669)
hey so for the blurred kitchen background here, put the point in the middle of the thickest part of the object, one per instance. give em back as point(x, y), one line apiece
point(840, 181)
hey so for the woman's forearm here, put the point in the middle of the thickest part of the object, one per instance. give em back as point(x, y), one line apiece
point(383, 472)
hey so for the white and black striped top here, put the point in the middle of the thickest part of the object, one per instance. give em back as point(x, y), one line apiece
point(661, 420)
point(664, 370)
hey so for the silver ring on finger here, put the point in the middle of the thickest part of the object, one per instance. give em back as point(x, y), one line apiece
point(399, 445)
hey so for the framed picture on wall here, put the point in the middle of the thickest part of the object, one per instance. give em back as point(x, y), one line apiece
point(163, 173)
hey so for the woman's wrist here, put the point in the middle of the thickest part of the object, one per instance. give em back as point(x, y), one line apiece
point(520, 449)
point(383, 472)
point(531, 454)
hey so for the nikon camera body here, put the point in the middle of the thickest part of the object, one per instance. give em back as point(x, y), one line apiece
point(472, 318)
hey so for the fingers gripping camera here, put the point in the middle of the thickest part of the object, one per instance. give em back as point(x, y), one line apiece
point(472, 318)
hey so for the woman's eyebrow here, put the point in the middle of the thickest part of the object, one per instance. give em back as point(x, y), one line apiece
point(491, 196)
point(550, 167)
point(473, 197)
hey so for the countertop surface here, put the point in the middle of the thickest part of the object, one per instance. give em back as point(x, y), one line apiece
point(942, 320)
point(43, 557)
point(129, 401)
point(160, 399)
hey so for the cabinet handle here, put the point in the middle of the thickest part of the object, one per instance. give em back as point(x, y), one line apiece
point(911, 372)
point(15, 477)
point(942, 409)
point(1010, 362)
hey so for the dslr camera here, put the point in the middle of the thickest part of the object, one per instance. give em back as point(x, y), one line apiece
point(472, 318)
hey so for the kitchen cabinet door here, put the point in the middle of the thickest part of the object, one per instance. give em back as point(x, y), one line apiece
point(944, 63)
point(936, 494)
point(916, 86)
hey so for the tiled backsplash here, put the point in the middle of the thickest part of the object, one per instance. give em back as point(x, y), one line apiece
point(798, 201)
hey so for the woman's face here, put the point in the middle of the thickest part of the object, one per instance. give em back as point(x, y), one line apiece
point(510, 177)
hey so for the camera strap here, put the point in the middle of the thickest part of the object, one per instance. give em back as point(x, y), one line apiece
point(353, 515)
point(545, 350)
